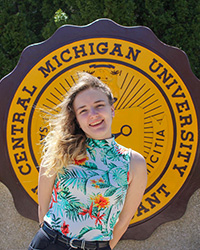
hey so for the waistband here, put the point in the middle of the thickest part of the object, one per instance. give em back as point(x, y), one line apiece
point(73, 242)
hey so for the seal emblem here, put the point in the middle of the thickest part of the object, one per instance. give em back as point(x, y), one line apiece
point(155, 112)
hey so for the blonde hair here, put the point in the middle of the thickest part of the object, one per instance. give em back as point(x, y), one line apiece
point(66, 141)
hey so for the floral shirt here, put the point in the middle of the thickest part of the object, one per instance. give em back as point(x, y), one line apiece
point(89, 195)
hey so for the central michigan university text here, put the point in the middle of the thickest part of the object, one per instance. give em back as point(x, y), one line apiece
point(83, 50)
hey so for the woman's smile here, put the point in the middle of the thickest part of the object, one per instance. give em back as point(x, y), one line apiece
point(95, 124)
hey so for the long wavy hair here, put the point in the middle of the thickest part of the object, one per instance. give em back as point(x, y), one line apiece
point(66, 141)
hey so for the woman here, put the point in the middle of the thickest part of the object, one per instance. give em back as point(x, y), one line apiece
point(89, 185)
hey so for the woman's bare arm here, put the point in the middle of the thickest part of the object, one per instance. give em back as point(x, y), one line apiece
point(137, 185)
point(45, 187)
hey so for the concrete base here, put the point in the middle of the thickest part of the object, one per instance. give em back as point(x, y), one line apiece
point(16, 232)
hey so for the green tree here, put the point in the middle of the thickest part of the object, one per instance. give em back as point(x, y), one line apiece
point(20, 22)
point(176, 23)
point(24, 22)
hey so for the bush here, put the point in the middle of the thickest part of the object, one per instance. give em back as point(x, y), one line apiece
point(24, 22)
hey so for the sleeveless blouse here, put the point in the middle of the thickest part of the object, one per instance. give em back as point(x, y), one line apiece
point(89, 195)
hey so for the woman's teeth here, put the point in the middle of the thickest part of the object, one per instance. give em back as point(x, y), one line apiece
point(96, 123)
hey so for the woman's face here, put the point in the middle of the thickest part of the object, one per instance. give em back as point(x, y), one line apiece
point(94, 113)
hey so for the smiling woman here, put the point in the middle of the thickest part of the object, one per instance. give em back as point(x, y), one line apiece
point(89, 185)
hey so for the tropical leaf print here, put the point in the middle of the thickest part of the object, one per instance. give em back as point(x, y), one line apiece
point(107, 213)
point(111, 166)
point(71, 213)
point(106, 181)
point(103, 157)
point(84, 231)
point(90, 165)
point(55, 221)
point(66, 200)
point(88, 229)
point(71, 204)
point(120, 196)
point(113, 219)
point(120, 176)
point(98, 143)
point(110, 191)
point(111, 154)
point(92, 153)
point(77, 177)
point(126, 157)
point(104, 233)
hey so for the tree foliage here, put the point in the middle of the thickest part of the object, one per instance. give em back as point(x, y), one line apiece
point(24, 22)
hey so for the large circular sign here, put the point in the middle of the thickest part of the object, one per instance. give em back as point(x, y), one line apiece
point(156, 106)
point(155, 114)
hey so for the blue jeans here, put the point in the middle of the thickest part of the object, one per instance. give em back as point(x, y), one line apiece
point(43, 241)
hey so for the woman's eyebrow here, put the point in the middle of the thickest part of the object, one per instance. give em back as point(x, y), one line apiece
point(99, 101)
point(81, 107)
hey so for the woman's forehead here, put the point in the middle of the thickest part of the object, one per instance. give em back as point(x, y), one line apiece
point(91, 95)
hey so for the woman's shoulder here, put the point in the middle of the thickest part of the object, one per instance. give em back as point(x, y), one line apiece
point(136, 155)
point(138, 162)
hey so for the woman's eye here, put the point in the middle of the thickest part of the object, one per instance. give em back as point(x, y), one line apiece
point(100, 105)
point(82, 111)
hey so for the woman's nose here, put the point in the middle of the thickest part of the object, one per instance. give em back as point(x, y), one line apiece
point(93, 112)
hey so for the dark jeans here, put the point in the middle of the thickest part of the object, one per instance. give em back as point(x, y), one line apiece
point(43, 241)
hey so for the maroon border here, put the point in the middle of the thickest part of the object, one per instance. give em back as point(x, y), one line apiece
point(100, 28)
